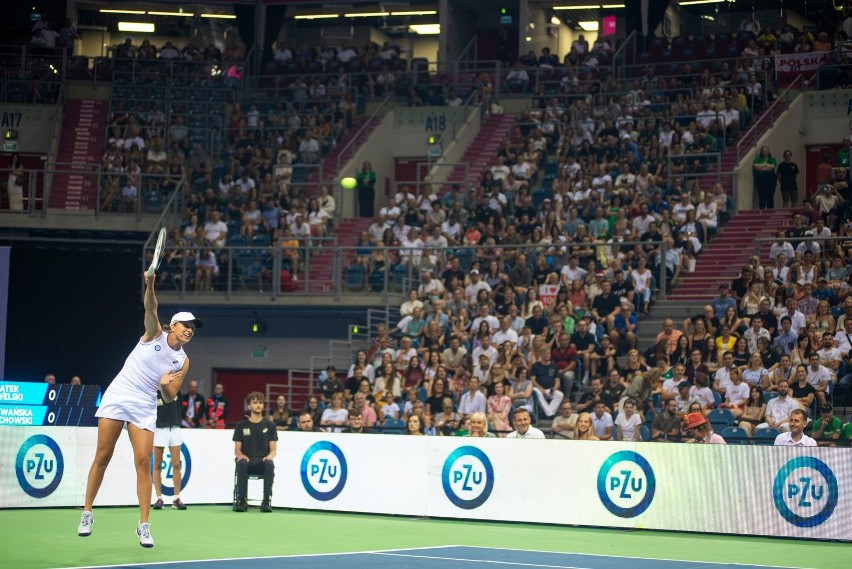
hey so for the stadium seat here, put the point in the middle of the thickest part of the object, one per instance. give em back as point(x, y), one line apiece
point(153, 202)
point(355, 278)
point(393, 427)
point(717, 397)
point(765, 437)
point(720, 419)
point(735, 436)
point(769, 395)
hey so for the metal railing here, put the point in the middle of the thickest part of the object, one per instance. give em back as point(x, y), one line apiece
point(624, 51)
point(347, 152)
point(325, 269)
point(767, 118)
point(761, 242)
point(32, 199)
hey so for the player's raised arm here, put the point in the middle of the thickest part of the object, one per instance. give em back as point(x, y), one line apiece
point(153, 329)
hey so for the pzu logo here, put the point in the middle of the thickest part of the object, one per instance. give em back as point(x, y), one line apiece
point(626, 484)
point(323, 470)
point(805, 491)
point(167, 473)
point(467, 477)
point(39, 466)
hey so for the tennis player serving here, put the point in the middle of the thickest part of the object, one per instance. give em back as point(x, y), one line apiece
point(157, 362)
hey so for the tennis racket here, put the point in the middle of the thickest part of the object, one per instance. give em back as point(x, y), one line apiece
point(158, 253)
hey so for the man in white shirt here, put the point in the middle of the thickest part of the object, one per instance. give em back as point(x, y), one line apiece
point(505, 333)
point(778, 410)
point(485, 348)
point(819, 377)
point(730, 119)
point(602, 422)
point(642, 221)
point(473, 400)
point(829, 356)
point(523, 427)
point(722, 378)
point(471, 290)
point(571, 272)
point(670, 387)
point(485, 316)
point(390, 212)
point(500, 170)
point(216, 230)
point(755, 332)
point(797, 319)
point(706, 116)
point(796, 437)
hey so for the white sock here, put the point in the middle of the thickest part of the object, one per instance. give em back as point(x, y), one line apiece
point(159, 497)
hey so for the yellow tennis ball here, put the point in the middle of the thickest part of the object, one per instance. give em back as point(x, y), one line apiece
point(348, 183)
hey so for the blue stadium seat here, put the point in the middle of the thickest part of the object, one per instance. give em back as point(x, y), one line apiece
point(153, 202)
point(393, 427)
point(355, 277)
point(735, 436)
point(720, 419)
point(765, 437)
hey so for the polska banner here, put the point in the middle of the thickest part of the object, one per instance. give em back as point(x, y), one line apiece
point(789, 65)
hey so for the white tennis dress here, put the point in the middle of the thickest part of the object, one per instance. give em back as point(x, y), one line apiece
point(132, 395)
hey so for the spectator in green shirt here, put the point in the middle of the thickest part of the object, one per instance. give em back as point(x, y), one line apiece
point(828, 428)
point(843, 154)
point(765, 178)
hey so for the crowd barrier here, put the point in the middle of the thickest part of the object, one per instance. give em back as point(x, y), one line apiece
point(771, 491)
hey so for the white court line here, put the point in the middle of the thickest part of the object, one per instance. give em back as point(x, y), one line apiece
point(517, 564)
point(628, 557)
point(295, 555)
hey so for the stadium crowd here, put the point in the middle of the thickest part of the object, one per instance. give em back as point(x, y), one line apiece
point(580, 197)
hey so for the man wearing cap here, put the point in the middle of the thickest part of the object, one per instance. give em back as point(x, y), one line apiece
point(683, 399)
point(472, 290)
point(697, 430)
point(723, 301)
point(796, 437)
point(825, 292)
point(828, 428)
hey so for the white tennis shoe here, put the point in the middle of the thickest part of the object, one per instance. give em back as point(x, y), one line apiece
point(144, 533)
point(87, 520)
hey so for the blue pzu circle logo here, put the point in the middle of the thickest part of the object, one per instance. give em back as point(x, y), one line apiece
point(467, 477)
point(805, 491)
point(323, 470)
point(39, 466)
point(157, 348)
point(626, 484)
point(167, 472)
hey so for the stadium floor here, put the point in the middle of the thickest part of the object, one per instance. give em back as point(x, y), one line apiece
point(214, 537)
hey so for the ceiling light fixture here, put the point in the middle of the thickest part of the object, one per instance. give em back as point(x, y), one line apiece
point(589, 26)
point(415, 13)
point(425, 29)
point(317, 16)
point(141, 27)
point(177, 14)
point(220, 16)
point(366, 14)
point(107, 11)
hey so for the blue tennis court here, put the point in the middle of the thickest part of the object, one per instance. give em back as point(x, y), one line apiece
point(461, 557)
